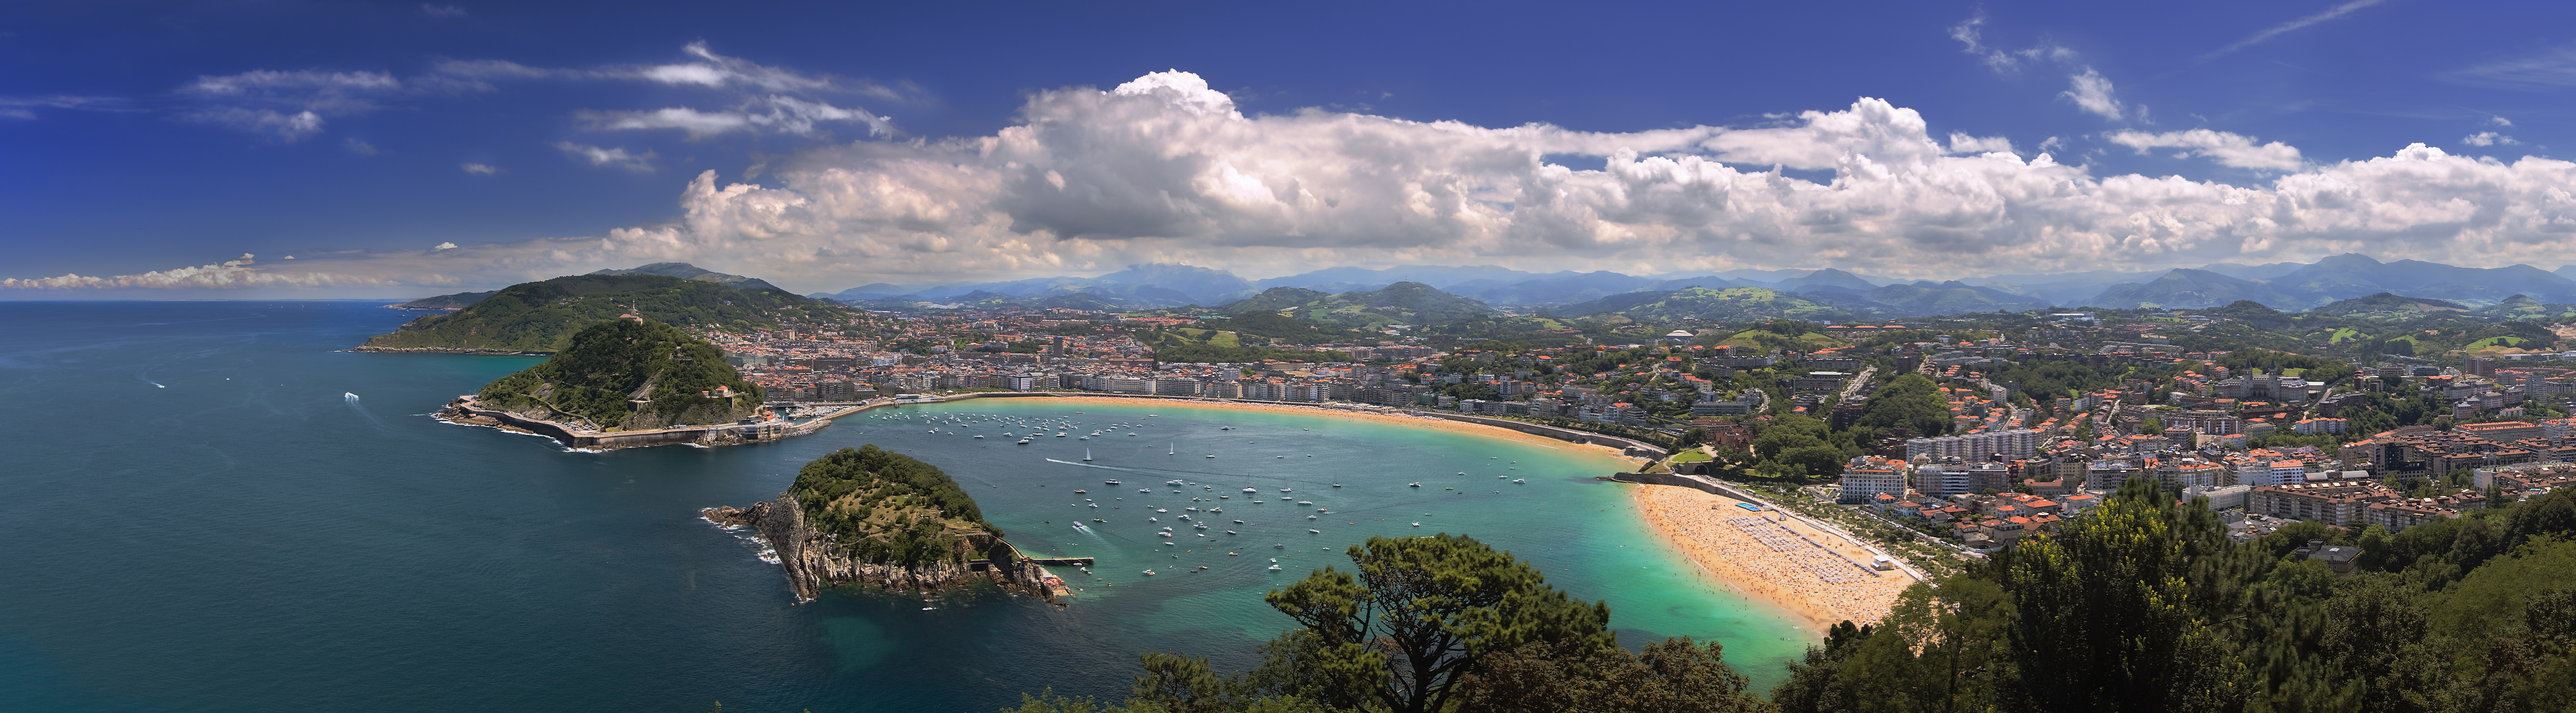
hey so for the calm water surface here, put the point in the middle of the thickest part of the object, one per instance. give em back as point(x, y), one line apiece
point(208, 508)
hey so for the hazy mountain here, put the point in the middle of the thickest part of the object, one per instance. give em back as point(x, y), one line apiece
point(1274, 299)
point(1734, 304)
point(2186, 289)
point(2264, 271)
point(1827, 279)
point(687, 271)
point(1190, 284)
point(1138, 286)
point(1411, 303)
point(2350, 275)
point(1361, 278)
point(1925, 297)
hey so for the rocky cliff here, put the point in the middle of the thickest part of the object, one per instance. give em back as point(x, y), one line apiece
point(814, 561)
point(875, 518)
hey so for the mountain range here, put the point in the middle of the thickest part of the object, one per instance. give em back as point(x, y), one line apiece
point(2281, 285)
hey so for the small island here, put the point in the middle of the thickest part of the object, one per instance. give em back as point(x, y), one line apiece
point(870, 516)
point(624, 383)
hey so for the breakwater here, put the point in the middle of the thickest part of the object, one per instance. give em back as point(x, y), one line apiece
point(466, 410)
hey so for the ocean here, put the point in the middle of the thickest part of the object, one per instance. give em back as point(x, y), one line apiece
point(208, 507)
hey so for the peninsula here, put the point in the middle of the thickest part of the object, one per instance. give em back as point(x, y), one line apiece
point(627, 382)
point(541, 317)
point(874, 517)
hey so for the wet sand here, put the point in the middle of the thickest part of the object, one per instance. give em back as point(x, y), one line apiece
point(1697, 525)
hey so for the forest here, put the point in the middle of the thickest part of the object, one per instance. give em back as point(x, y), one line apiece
point(2148, 605)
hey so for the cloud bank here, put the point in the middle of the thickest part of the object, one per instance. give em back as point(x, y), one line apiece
point(1165, 169)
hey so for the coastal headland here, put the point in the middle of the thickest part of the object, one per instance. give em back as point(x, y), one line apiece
point(466, 410)
point(872, 517)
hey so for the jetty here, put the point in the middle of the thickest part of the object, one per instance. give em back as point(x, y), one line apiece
point(467, 410)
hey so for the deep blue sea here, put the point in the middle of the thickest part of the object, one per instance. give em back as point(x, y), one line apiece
point(207, 507)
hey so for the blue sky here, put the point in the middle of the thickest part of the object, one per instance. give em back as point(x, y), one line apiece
point(147, 145)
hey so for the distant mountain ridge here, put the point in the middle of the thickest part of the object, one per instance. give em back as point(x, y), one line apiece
point(2281, 285)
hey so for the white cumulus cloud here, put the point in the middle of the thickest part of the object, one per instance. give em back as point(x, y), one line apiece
point(2093, 93)
point(238, 273)
point(2488, 138)
point(483, 169)
point(2231, 150)
point(1165, 169)
point(610, 157)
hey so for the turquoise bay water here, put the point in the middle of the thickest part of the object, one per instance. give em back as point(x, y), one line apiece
point(201, 519)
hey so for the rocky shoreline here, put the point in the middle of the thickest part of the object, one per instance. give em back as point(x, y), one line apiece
point(813, 561)
point(464, 411)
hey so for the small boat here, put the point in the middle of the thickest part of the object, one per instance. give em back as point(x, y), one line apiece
point(1024, 441)
point(1337, 485)
point(1249, 490)
point(1161, 510)
point(1238, 522)
point(1310, 517)
point(1229, 532)
point(979, 436)
point(1059, 435)
point(1084, 438)
point(1081, 492)
point(1086, 455)
point(1415, 485)
point(1111, 482)
point(1172, 482)
point(1520, 480)
point(1278, 545)
point(1314, 532)
point(1283, 490)
point(1417, 524)
point(1274, 568)
point(1149, 573)
point(1302, 502)
point(1211, 455)
point(1165, 534)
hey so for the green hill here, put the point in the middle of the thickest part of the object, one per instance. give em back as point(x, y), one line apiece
point(542, 316)
point(626, 375)
point(886, 507)
point(459, 300)
point(1410, 303)
point(1733, 304)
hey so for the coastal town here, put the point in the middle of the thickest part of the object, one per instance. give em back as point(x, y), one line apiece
point(1928, 442)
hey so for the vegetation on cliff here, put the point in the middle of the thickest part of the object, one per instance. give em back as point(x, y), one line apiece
point(542, 316)
point(886, 507)
point(2148, 605)
point(609, 367)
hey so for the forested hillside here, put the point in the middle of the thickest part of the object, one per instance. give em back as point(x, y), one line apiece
point(542, 316)
point(610, 365)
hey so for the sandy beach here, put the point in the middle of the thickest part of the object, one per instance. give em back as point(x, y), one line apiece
point(1386, 418)
point(1767, 559)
